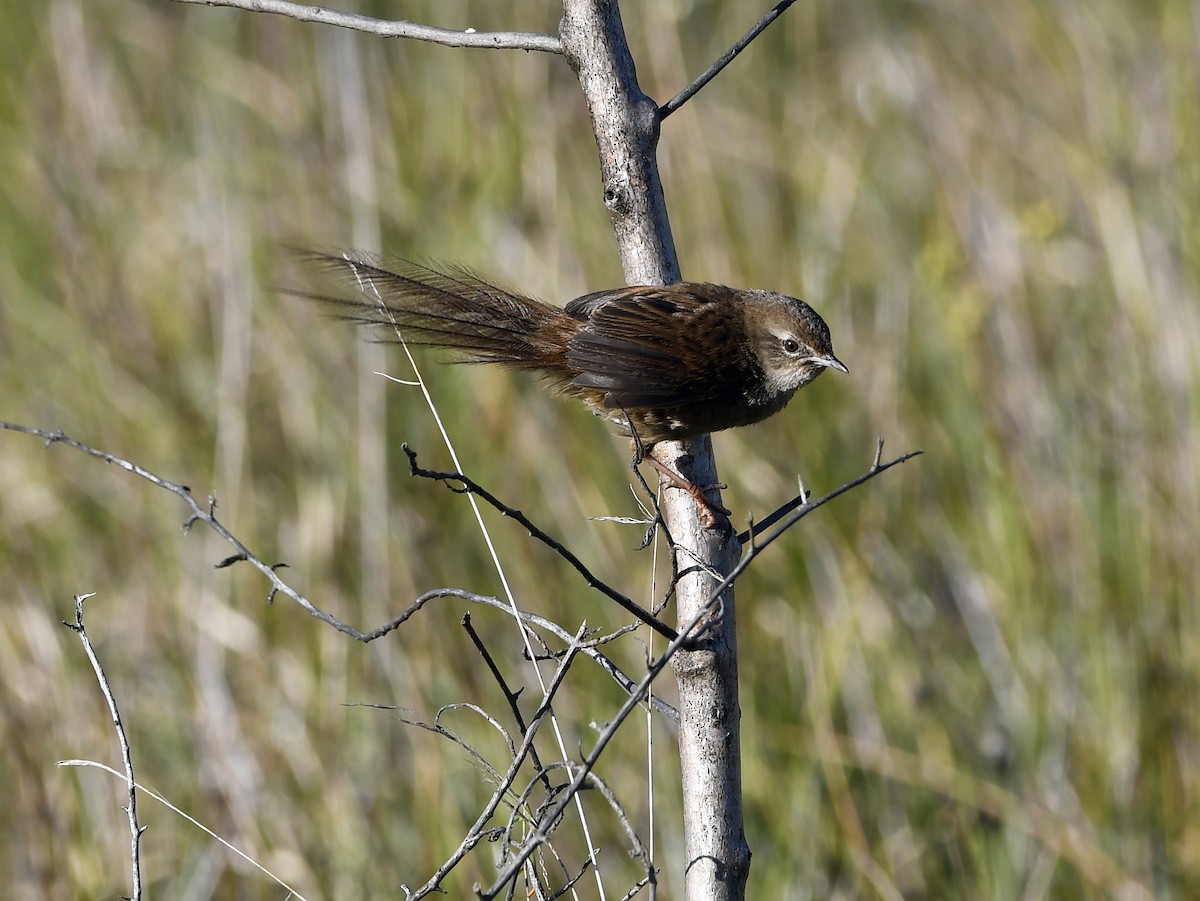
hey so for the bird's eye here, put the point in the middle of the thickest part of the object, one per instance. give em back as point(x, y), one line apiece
point(791, 346)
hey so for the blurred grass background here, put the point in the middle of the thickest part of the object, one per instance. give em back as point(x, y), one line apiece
point(975, 677)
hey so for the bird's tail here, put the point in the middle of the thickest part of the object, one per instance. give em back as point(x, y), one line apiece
point(448, 306)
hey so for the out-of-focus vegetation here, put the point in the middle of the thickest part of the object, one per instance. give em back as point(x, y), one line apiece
point(975, 677)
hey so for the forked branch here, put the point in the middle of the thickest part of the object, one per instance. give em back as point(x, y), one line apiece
point(712, 71)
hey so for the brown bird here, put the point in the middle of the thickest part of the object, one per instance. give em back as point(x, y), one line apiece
point(674, 361)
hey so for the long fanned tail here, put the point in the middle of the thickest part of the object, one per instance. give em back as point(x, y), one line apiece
point(447, 306)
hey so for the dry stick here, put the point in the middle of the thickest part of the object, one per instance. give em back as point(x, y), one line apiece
point(636, 693)
point(488, 40)
point(711, 72)
point(686, 639)
point(134, 829)
point(509, 695)
point(278, 586)
point(608, 591)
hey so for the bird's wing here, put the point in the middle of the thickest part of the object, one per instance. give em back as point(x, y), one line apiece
point(651, 347)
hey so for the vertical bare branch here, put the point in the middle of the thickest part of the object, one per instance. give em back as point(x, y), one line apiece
point(626, 123)
point(135, 830)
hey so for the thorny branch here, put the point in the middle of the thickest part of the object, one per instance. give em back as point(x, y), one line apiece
point(207, 515)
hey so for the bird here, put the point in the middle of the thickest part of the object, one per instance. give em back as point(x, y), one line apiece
point(660, 362)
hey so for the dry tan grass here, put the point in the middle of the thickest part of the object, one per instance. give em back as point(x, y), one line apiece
point(993, 207)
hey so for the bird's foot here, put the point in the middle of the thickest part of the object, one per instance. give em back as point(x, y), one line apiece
point(709, 510)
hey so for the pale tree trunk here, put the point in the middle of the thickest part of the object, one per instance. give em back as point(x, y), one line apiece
point(626, 124)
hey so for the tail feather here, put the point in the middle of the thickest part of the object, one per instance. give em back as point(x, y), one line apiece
point(448, 306)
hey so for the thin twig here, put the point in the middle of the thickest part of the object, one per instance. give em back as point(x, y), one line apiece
point(569, 887)
point(608, 591)
point(711, 72)
point(639, 885)
point(638, 847)
point(509, 695)
point(398, 28)
point(135, 829)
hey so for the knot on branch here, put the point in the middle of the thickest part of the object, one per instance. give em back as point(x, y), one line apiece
point(616, 196)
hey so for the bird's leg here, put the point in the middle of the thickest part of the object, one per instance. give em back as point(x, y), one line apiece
point(708, 510)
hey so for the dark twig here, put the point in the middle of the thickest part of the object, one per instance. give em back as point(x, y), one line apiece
point(688, 636)
point(488, 40)
point(135, 829)
point(569, 887)
point(628, 604)
point(800, 501)
point(711, 72)
point(754, 529)
point(509, 695)
point(278, 586)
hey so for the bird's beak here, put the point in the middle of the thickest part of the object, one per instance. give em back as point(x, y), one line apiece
point(831, 362)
